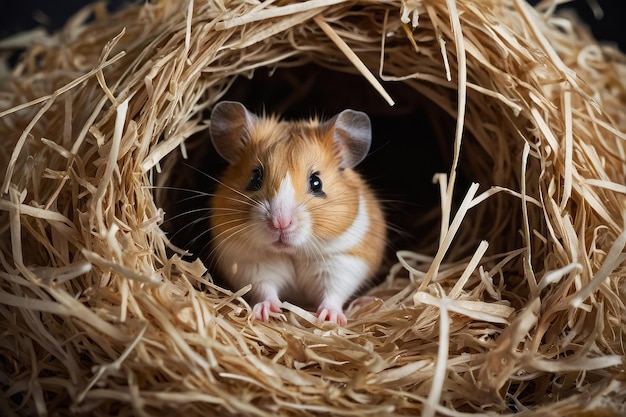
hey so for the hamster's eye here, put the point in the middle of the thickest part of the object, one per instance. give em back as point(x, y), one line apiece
point(315, 185)
point(256, 180)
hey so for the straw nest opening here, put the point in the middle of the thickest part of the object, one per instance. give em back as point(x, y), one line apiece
point(514, 302)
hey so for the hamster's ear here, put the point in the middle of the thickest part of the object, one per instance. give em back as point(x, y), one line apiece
point(230, 128)
point(352, 136)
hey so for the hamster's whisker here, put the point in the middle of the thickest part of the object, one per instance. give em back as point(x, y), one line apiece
point(228, 239)
point(171, 188)
point(232, 245)
point(392, 227)
point(234, 190)
point(238, 210)
point(186, 213)
point(195, 239)
point(187, 226)
point(213, 259)
point(334, 202)
point(226, 223)
point(208, 195)
point(250, 202)
point(226, 213)
point(206, 220)
point(238, 228)
point(316, 244)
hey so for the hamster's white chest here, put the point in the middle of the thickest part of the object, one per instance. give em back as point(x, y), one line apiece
point(301, 280)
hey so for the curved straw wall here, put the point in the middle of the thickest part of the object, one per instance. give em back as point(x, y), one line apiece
point(100, 317)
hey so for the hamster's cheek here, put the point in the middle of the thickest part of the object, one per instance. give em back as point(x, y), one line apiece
point(304, 232)
point(324, 221)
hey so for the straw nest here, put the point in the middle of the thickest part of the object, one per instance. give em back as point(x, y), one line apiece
point(516, 303)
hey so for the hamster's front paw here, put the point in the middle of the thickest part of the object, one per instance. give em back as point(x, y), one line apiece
point(262, 310)
point(331, 314)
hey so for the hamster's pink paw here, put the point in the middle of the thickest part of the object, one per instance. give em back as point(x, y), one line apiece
point(332, 315)
point(262, 310)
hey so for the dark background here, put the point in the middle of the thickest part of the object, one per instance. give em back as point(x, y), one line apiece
point(20, 15)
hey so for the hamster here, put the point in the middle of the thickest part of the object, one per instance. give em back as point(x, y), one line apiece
point(290, 216)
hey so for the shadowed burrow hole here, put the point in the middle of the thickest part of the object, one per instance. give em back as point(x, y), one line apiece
point(412, 141)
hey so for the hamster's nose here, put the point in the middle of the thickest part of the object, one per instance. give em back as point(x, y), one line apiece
point(281, 222)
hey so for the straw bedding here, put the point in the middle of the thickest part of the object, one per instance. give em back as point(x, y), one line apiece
point(515, 302)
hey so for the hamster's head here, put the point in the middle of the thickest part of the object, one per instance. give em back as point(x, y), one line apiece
point(289, 186)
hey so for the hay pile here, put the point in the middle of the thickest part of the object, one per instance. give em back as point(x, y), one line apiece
point(519, 305)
